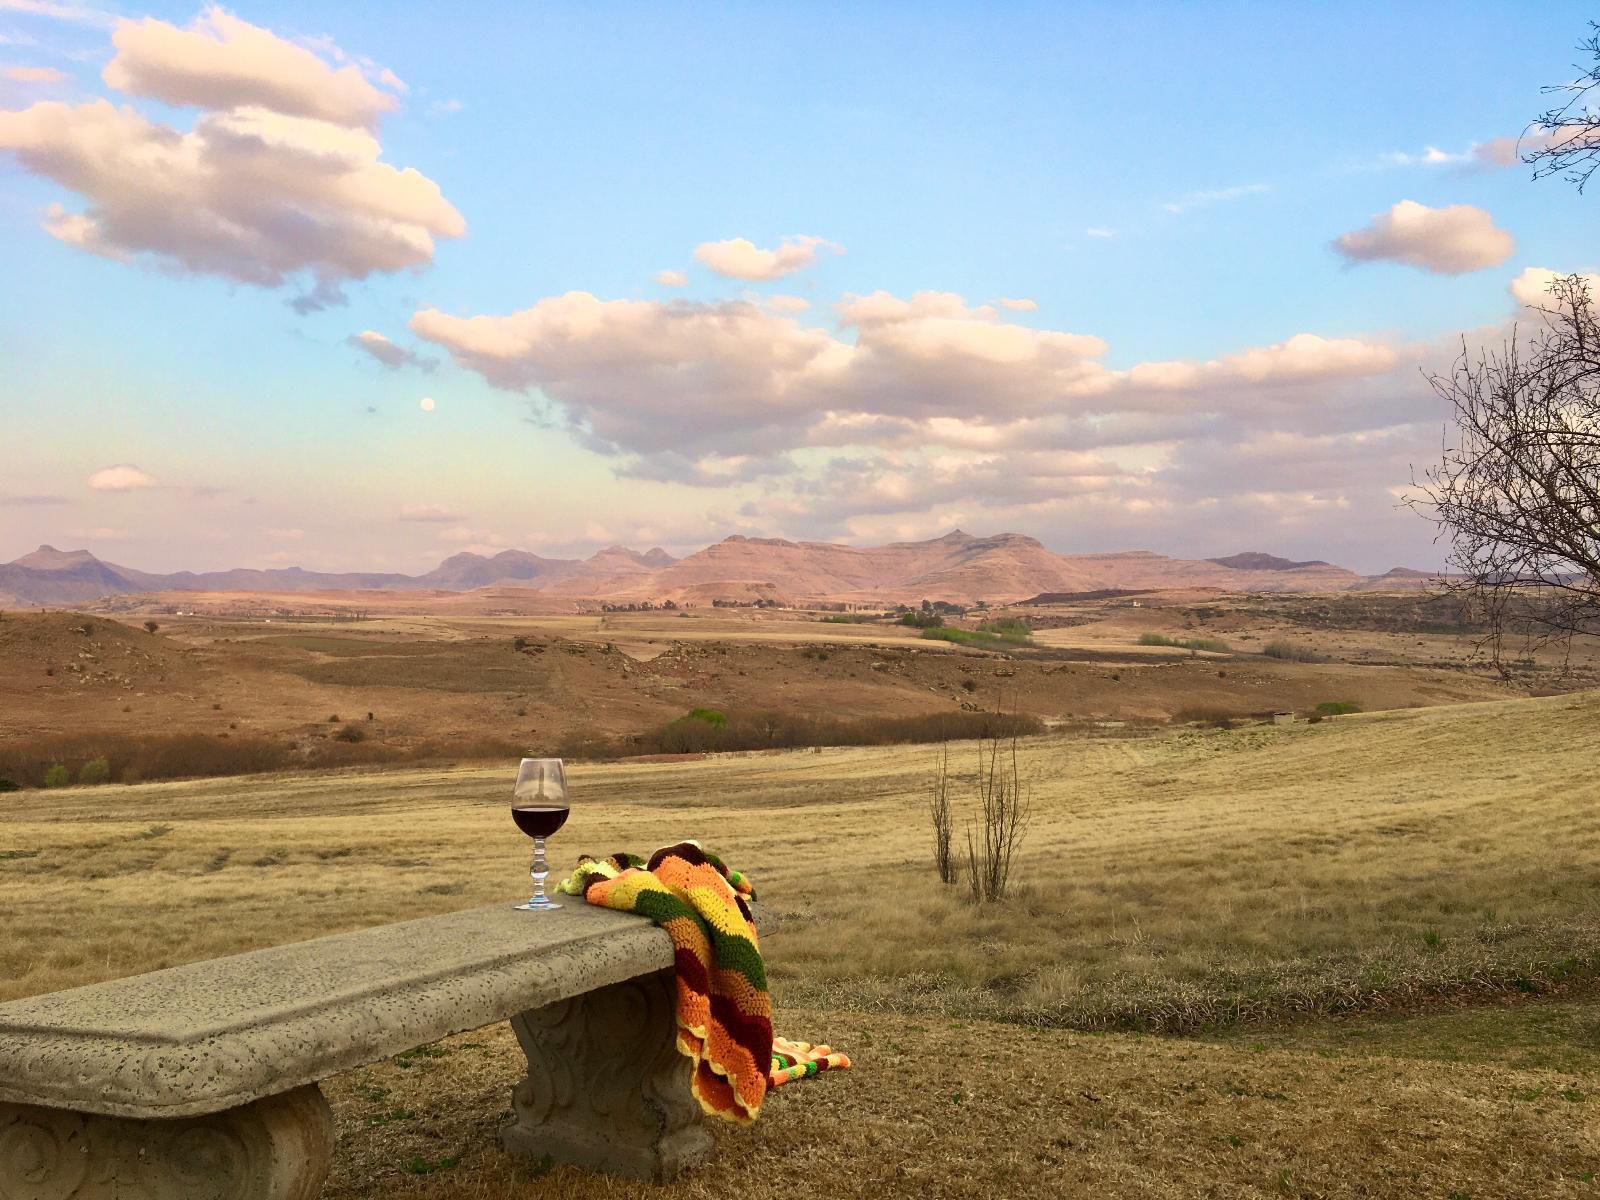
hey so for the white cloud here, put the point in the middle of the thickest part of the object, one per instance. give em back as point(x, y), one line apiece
point(788, 304)
point(1430, 156)
point(33, 75)
point(739, 258)
point(55, 10)
point(719, 394)
point(445, 108)
point(673, 279)
point(222, 62)
point(1532, 286)
point(430, 514)
point(124, 477)
point(255, 194)
point(1019, 305)
point(1219, 196)
point(386, 352)
point(1445, 241)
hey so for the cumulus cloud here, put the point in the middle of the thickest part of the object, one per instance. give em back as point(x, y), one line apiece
point(672, 279)
point(386, 352)
point(430, 514)
point(788, 304)
point(1019, 305)
point(739, 258)
point(719, 393)
point(33, 75)
point(281, 182)
point(1445, 241)
point(222, 62)
point(58, 10)
point(1531, 287)
point(124, 477)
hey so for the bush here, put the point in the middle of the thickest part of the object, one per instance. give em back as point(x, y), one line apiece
point(1214, 645)
point(708, 716)
point(10, 785)
point(56, 776)
point(351, 732)
point(970, 685)
point(1291, 652)
point(978, 637)
point(151, 627)
point(1338, 708)
point(1208, 715)
point(781, 731)
point(96, 770)
point(1007, 627)
point(921, 620)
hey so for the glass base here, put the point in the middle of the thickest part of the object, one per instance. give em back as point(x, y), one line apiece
point(536, 906)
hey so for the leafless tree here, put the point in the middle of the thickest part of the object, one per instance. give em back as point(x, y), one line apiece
point(1565, 140)
point(1518, 489)
point(939, 813)
point(1003, 816)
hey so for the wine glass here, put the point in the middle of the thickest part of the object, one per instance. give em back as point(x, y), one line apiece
point(539, 807)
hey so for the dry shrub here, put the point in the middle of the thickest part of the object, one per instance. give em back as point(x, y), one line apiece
point(787, 731)
point(1003, 814)
point(939, 813)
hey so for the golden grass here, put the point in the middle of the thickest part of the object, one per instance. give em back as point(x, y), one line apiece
point(1170, 882)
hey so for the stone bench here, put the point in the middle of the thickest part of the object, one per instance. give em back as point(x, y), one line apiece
point(199, 1082)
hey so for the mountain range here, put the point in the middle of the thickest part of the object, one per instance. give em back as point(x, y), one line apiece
point(957, 567)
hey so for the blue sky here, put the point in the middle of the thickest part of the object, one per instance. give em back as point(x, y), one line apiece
point(1188, 364)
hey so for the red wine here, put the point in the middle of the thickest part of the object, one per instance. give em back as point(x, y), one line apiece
point(540, 820)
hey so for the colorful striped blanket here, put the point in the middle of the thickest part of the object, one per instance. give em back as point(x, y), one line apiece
point(724, 1009)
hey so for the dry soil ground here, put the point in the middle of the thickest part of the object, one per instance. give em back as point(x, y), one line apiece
point(539, 681)
point(1267, 890)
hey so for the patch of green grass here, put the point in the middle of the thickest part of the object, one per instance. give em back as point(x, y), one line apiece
point(1214, 645)
point(1338, 708)
point(374, 1120)
point(411, 1057)
point(13, 855)
point(427, 1166)
point(845, 618)
point(976, 637)
point(155, 831)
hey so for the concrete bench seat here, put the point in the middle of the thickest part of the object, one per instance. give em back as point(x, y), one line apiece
point(201, 1080)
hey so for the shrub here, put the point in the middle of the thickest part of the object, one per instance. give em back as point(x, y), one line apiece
point(708, 716)
point(1206, 714)
point(96, 770)
point(939, 814)
point(1338, 708)
point(921, 620)
point(1003, 814)
point(976, 637)
point(1007, 627)
point(1291, 652)
point(1214, 645)
point(151, 627)
point(10, 785)
point(56, 776)
point(970, 685)
point(519, 643)
point(333, 719)
point(351, 732)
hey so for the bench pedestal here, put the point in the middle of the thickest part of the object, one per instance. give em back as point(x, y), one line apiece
point(278, 1148)
point(606, 1087)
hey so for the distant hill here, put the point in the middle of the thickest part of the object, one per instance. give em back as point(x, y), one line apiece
point(958, 567)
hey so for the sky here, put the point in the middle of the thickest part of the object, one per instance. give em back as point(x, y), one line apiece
point(360, 286)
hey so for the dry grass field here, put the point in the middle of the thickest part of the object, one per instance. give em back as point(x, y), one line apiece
point(1271, 891)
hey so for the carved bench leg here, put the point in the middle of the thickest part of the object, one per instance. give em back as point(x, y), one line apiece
point(606, 1087)
point(278, 1148)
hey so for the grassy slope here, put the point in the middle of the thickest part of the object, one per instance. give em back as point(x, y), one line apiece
point(1201, 877)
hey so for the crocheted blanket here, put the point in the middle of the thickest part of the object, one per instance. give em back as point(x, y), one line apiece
point(724, 1011)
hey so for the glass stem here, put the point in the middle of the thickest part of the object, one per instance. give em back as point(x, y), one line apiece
point(540, 870)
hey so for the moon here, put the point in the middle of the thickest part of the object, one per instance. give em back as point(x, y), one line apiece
point(427, 404)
